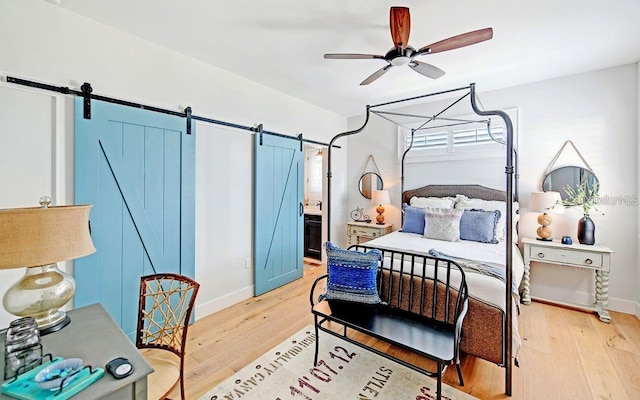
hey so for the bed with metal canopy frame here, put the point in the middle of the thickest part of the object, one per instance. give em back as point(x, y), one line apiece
point(510, 195)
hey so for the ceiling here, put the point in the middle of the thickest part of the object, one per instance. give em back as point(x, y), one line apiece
point(280, 43)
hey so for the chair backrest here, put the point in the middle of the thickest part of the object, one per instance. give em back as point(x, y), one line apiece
point(166, 303)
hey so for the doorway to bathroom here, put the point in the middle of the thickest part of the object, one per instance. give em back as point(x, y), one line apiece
point(313, 210)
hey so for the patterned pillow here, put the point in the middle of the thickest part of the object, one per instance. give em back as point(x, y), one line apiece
point(479, 225)
point(413, 221)
point(467, 203)
point(352, 275)
point(442, 223)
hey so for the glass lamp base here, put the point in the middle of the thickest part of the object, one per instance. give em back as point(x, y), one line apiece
point(40, 294)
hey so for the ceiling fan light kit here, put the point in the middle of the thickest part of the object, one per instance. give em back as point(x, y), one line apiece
point(402, 54)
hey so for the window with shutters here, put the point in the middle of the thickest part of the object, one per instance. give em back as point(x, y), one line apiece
point(448, 140)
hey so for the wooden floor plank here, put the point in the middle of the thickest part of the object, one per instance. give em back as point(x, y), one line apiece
point(566, 354)
point(599, 369)
point(569, 382)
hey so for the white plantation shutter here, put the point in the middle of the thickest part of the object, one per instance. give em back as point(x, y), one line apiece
point(466, 141)
point(477, 136)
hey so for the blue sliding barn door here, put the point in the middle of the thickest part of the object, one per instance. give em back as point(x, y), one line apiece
point(137, 168)
point(278, 212)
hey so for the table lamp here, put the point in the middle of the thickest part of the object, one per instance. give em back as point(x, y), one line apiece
point(380, 197)
point(37, 238)
point(546, 203)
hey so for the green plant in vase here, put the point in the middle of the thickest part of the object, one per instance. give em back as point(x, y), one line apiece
point(585, 196)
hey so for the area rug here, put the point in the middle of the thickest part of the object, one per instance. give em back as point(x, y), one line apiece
point(344, 371)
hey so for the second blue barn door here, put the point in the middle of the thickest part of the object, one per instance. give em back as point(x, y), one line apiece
point(278, 211)
point(137, 169)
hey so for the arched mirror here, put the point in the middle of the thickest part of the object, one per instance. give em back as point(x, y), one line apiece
point(572, 176)
point(369, 181)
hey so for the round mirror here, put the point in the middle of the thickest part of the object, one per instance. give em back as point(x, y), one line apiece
point(369, 181)
point(571, 176)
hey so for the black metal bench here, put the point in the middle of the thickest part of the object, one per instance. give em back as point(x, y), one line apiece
point(418, 315)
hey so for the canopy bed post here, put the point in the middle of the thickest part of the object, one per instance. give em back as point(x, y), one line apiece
point(338, 136)
point(509, 170)
point(402, 170)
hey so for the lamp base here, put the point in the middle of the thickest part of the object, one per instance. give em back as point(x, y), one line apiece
point(545, 239)
point(40, 294)
point(56, 327)
point(380, 216)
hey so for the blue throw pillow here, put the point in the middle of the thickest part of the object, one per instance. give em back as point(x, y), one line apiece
point(479, 225)
point(352, 275)
point(413, 221)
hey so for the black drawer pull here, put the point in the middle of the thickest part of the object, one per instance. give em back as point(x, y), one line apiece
point(588, 261)
point(374, 234)
point(540, 255)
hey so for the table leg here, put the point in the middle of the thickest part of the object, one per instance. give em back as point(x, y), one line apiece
point(602, 296)
point(526, 282)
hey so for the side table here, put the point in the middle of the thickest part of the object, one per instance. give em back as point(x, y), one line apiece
point(94, 337)
point(360, 232)
point(595, 257)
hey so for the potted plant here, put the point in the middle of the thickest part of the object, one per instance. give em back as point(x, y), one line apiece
point(585, 196)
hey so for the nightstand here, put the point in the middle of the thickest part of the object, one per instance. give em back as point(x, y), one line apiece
point(595, 257)
point(360, 232)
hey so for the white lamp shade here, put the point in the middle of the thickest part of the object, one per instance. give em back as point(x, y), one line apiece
point(546, 202)
point(380, 197)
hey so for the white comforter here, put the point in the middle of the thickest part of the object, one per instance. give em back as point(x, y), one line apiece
point(481, 287)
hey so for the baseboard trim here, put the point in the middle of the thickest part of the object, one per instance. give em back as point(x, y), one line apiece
point(583, 299)
point(215, 305)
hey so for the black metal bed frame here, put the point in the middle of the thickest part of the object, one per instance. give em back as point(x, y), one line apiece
point(511, 189)
point(398, 320)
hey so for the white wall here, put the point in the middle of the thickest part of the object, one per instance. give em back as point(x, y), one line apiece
point(598, 112)
point(46, 43)
point(637, 310)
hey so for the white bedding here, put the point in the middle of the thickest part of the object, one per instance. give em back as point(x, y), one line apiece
point(482, 287)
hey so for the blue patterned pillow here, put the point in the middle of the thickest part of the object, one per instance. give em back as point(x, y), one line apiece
point(352, 275)
point(413, 221)
point(480, 225)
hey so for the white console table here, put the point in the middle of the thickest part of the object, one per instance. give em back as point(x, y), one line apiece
point(595, 257)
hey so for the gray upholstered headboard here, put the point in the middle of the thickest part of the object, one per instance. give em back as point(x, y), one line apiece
point(471, 191)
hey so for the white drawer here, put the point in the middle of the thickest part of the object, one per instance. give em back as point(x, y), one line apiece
point(362, 231)
point(566, 256)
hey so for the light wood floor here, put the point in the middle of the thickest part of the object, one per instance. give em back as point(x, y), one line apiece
point(566, 354)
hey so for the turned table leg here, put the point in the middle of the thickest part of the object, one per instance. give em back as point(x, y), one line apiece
point(526, 283)
point(602, 296)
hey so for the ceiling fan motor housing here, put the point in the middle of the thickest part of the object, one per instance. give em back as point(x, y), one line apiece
point(396, 58)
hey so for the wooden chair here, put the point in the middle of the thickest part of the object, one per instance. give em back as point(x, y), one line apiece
point(166, 303)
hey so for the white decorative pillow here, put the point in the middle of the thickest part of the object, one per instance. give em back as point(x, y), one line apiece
point(433, 202)
point(465, 203)
point(442, 223)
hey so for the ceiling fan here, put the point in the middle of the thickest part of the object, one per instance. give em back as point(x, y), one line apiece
point(403, 54)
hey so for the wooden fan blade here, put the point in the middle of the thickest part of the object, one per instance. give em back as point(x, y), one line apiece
point(455, 42)
point(428, 70)
point(376, 75)
point(347, 56)
point(400, 23)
